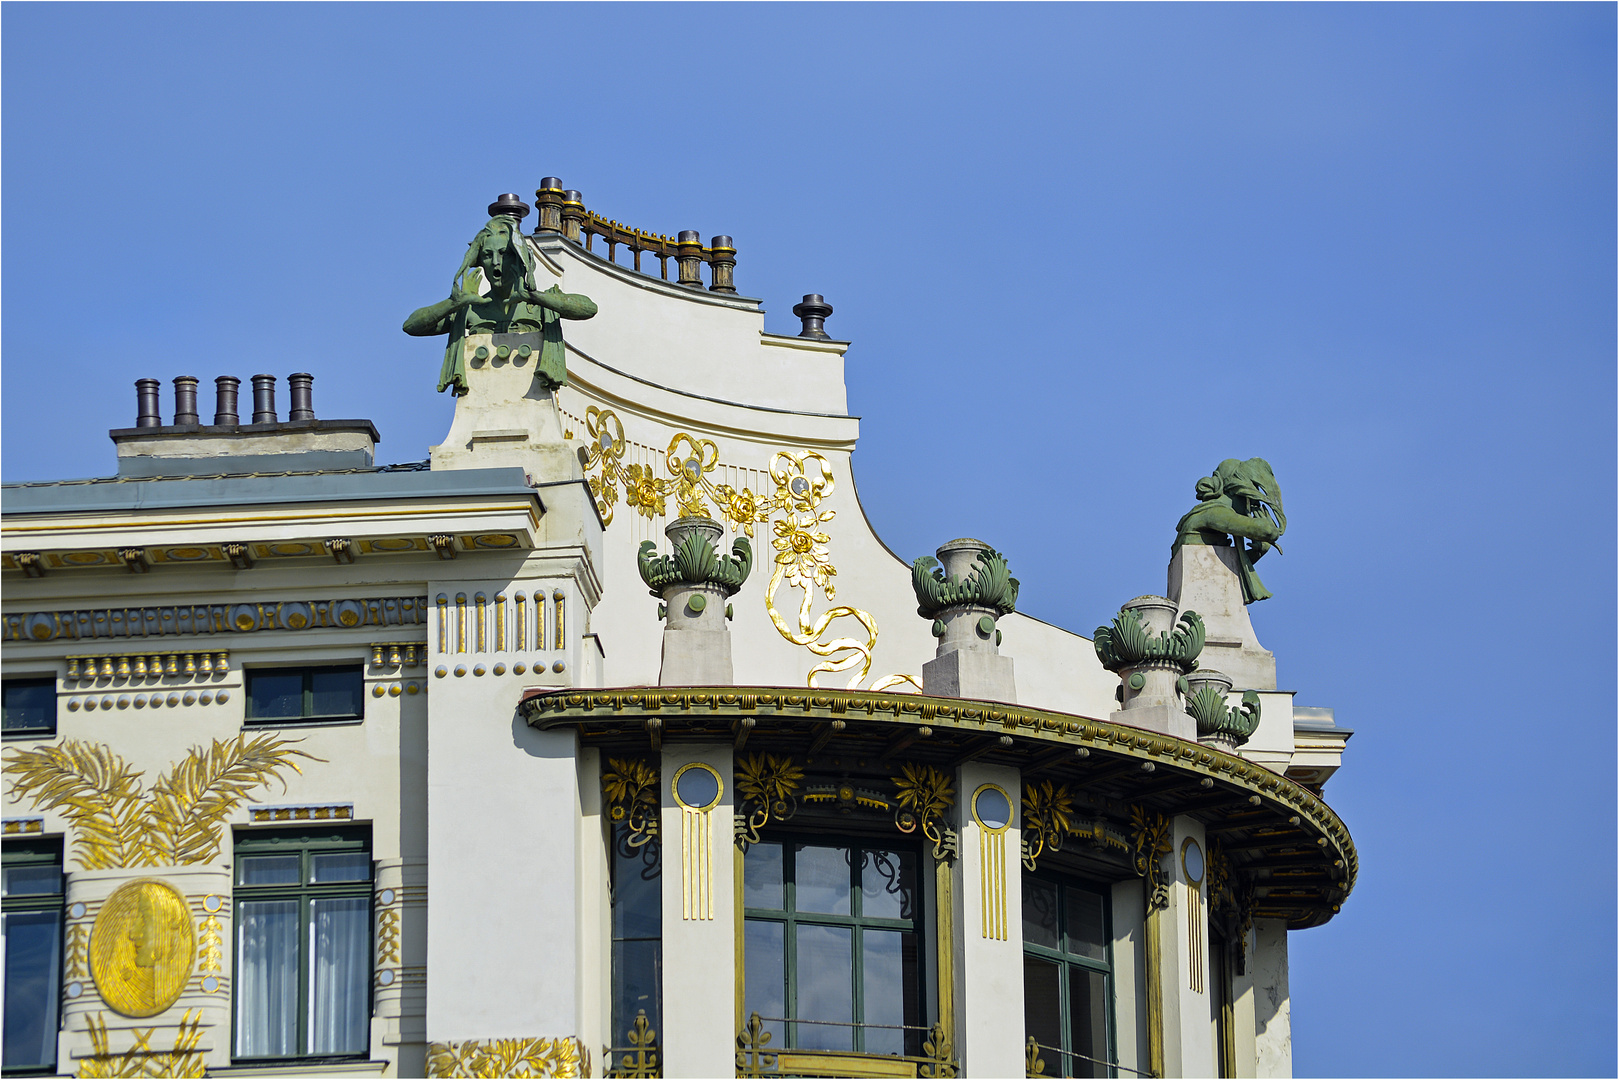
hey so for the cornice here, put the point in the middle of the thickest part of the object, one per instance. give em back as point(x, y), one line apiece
point(1250, 808)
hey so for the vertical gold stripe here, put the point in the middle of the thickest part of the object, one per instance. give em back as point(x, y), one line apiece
point(562, 626)
point(983, 885)
point(519, 624)
point(1155, 985)
point(460, 622)
point(500, 622)
point(443, 623)
point(945, 945)
point(481, 602)
point(685, 863)
point(739, 945)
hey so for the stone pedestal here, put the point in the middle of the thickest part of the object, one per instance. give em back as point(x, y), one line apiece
point(1204, 579)
point(696, 638)
point(1150, 691)
point(968, 663)
point(507, 416)
point(1167, 719)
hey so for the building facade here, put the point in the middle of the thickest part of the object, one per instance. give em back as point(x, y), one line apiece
point(610, 739)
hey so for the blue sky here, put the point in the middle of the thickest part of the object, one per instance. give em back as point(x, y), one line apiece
point(1083, 253)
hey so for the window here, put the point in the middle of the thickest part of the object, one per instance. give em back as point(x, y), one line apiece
point(303, 943)
point(833, 953)
point(637, 904)
point(29, 706)
point(290, 695)
point(1220, 1004)
point(32, 933)
point(1068, 976)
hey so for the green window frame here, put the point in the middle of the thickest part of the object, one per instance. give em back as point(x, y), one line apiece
point(32, 901)
point(28, 708)
point(787, 946)
point(1068, 980)
point(270, 691)
point(303, 927)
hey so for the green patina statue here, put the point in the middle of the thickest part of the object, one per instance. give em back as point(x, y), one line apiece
point(500, 259)
point(1240, 503)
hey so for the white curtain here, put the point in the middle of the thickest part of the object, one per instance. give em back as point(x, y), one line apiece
point(267, 979)
point(340, 953)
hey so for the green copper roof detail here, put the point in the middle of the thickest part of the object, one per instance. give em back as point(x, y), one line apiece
point(1207, 706)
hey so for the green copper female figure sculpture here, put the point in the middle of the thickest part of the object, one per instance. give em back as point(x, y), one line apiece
point(1240, 502)
point(500, 258)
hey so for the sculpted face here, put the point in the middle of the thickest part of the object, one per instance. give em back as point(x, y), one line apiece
point(496, 259)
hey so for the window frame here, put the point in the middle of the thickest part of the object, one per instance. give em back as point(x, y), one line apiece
point(47, 732)
point(789, 918)
point(305, 717)
point(1065, 959)
point(306, 843)
point(620, 857)
point(40, 851)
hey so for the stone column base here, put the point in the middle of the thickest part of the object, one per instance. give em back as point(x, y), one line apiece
point(1168, 719)
point(980, 675)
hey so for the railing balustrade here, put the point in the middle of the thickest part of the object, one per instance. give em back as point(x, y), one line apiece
point(562, 210)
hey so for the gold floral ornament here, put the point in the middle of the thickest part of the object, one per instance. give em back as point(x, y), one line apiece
point(769, 788)
point(1150, 842)
point(117, 825)
point(925, 795)
point(690, 461)
point(508, 1057)
point(630, 787)
point(803, 479)
point(1048, 813)
point(645, 492)
point(603, 459)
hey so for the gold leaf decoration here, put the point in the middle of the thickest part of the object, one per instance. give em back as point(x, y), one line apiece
point(630, 788)
point(117, 826)
point(925, 795)
point(140, 1060)
point(529, 1058)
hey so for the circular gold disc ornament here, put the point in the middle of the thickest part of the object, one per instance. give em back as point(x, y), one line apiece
point(142, 947)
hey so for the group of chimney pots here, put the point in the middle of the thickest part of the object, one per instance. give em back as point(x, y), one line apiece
point(147, 414)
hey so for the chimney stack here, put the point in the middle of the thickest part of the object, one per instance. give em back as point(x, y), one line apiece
point(146, 403)
point(225, 388)
point(301, 386)
point(185, 401)
point(264, 399)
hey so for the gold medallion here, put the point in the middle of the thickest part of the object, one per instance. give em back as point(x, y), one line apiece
point(142, 947)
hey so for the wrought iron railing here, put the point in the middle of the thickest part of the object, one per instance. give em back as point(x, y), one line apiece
point(1034, 1062)
point(563, 211)
point(641, 1056)
point(756, 1057)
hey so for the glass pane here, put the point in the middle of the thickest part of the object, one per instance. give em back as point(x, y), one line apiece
point(1042, 1009)
point(825, 975)
point(888, 884)
point(267, 870)
point(637, 985)
point(761, 877)
point(33, 948)
point(1087, 928)
point(267, 978)
point(822, 877)
point(765, 989)
point(1040, 912)
point(335, 692)
point(346, 866)
point(275, 695)
point(891, 991)
point(29, 706)
point(637, 892)
point(339, 975)
point(1087, 1020)
point(43, 879)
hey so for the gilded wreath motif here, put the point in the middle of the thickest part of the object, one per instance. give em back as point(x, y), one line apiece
point(604, 457)
point(925, 795)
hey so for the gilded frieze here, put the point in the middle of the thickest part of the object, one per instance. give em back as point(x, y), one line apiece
point(528, 1058)
point(81, 625)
